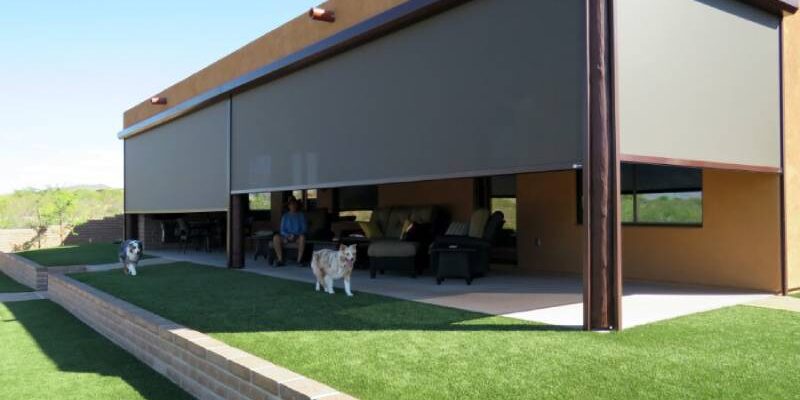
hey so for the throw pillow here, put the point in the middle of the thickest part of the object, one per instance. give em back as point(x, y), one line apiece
point(457, 229)
point(407, 226)
point(478, 223)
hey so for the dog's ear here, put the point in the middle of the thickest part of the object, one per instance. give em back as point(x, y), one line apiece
point(342, 247)
point(353, 248)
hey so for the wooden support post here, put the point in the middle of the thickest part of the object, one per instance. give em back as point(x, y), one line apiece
point(602, 264)
point(131, 227)
point(236, 217)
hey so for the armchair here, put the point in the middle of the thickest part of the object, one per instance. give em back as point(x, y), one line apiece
point(467, 256)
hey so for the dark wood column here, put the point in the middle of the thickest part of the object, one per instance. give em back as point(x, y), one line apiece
point(131, 226)
point(602, 275)
point(236, 217)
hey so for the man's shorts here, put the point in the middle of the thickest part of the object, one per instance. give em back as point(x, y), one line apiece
point(286, 240)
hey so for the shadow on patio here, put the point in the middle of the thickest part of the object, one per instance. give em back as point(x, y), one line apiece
point(217, 300)
point(544, 298)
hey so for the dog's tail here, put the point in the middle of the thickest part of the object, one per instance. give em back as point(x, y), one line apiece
point(315, 261)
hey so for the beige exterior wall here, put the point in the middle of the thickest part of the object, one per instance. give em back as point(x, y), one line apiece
point(547, 212)
point(791, 150)
point(455, 195)
point(295, 35)
point(738, 245)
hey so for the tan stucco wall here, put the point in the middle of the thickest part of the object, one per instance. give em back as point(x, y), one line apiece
point(738, 245)
point(791, 87)
point(547, 210)
point(455, 195)
point(287, 39)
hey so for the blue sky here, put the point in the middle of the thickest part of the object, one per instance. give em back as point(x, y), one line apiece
point(70, 68)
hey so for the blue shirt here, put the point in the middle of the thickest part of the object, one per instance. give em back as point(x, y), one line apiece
point(293, 224)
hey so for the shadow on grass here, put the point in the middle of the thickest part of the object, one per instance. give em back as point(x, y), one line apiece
point(84, 254)
point(74, 347)
point(215, 300)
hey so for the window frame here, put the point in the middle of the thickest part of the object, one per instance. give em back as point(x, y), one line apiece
point(516, 210)
point(635, 196)
point(634, 193)
point(250, 201)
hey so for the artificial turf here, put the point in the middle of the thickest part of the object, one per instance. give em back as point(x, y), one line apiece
point(45, 353)
point(8, 285)
point(375, 347)
point(85, 254)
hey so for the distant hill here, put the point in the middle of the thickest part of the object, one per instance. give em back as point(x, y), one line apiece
point(68, 206)
point(88, 187)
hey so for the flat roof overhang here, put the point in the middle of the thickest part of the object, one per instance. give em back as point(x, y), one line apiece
point(370, 29)
point(775, 6)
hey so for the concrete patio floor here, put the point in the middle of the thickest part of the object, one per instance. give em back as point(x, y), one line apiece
point(550, 299)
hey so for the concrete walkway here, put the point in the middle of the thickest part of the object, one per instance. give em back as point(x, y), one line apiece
point(550, 299)
point(117, 265)
point(23, 296)
point(786, 303)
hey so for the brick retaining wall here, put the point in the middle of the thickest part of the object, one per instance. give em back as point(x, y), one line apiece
point(206, 368)
point(24, 271)
point(25, 239)
point(106, 230)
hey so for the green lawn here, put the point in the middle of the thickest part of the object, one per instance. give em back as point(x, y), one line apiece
point(376, 347)
point(8, 285)
point(48, 354)
point(87, 254)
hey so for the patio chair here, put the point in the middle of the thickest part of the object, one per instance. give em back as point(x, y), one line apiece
point(188, 235)
point(319, 231)
point(467, 256)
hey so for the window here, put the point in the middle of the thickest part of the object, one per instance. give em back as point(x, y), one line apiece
point(357, 215)
point(661, 195)
point(656, 195)
point(503, 198)
point(307, 198)
point(357, 202)
point(260, 201)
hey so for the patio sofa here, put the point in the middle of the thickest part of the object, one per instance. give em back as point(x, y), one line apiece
point(400, 237)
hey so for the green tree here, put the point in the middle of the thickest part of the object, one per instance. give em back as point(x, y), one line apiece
point(57, 207)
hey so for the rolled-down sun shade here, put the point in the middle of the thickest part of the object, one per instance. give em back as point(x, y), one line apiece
point(699, 80)
point(492, 86)
point(180, 166)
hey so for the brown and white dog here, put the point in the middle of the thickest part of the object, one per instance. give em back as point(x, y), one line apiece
point(130, 252)
point(332, 264)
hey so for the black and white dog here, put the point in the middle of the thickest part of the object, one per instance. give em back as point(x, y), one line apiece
point(130, 252)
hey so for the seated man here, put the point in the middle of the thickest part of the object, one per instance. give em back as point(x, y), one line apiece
point(293, 230)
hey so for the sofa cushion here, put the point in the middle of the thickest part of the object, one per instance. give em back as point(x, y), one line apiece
point(392, 248)
point(380, 217)
point(478, 223)
point(371, 230)
point(394, 228)
point(422, 215)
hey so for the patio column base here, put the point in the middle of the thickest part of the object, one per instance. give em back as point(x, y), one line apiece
point(236, 216)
